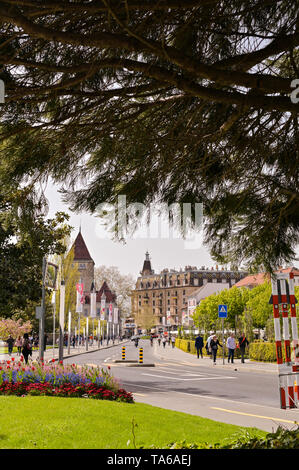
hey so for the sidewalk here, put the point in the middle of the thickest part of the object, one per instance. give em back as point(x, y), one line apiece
point(177, 355)
point(50, 354)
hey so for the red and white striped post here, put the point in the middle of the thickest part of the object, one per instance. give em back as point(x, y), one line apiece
point(279, 358)
point(286, 337)
point(295, 343)
point(288, 371)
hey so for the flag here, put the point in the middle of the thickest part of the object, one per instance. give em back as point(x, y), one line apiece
point(93, 312)
point(110, 313)
point(103, 305)
point(115, 315)
point(80, 298)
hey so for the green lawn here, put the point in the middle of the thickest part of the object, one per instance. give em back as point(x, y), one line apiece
point(78, 423)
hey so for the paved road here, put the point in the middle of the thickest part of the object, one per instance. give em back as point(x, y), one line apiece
point(242, 394)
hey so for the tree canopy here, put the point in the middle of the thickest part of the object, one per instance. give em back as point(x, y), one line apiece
point(169, 101)
point(26, 236)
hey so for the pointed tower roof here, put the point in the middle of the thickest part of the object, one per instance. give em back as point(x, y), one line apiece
point(80, 249)
point(110, 297)
point(147, 267)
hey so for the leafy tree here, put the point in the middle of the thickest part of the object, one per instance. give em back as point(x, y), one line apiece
point(258, 304)
point(15, 328)
point(206, 313)
point(26, 236)
point(165, 101)
point(121, 284)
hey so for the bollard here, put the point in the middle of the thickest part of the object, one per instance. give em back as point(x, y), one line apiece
point(123, 353)
point(141, 356)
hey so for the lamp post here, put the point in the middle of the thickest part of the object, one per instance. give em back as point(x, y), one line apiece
point(93, 304)
point(42, 317)
point(61, 320)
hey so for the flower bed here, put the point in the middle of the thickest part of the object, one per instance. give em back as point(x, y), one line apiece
point(52, 379)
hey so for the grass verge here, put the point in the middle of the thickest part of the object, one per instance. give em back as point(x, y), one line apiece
point(78, 423)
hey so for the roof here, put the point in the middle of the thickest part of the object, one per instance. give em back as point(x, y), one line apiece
point(110, 297)
point(252, 280)
point(292, 269)
point(256, 279)
point(208, 289)
point(80, 249)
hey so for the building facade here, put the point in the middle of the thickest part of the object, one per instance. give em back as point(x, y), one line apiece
point(85, 265)
point(167, 292)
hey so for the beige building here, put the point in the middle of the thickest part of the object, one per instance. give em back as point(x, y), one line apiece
point(167, 292)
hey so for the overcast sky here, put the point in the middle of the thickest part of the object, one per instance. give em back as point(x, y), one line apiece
point(129, 257)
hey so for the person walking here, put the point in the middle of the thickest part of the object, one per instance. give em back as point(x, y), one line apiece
point(243, 342)
point(231, 345)
point(19, 344)
point(164, 342)
point(208, 347)
point(173, 341)
point(199, 345)
point(10, 343)
point(26, 347)
point(151, 340)
point(214, 343)
point(159, 340)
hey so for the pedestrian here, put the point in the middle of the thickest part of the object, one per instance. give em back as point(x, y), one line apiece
point(159, 340)
point(173, 341)
point(169, 339)
point(151, 340)
point(26, 347)
point(208, 348)
point(243, 342)
point(164, 342)
point(231, 345)
point(36, 340)
point(199, 345)
point(19, 344)
point(10, 343)
point(214, 343)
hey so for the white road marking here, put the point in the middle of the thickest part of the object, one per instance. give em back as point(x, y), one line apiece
point(199, 378)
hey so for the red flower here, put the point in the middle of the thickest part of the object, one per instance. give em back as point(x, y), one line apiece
point(12, 358)
point(60, 362)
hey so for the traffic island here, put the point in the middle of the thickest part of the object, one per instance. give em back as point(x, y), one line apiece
point(123, 361)
point(141, 365)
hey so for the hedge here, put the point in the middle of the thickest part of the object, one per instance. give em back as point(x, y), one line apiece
point(258, 350)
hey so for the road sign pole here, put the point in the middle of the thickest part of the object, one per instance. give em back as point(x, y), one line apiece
point(223, 339)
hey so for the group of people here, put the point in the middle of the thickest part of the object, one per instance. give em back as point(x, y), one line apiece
point(24, 345)
point(166, 339)
point(213, 344)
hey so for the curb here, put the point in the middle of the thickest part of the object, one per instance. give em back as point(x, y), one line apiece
point(141, 365)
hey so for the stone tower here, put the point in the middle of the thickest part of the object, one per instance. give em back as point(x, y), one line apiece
point(147, 268)
point(84, 262)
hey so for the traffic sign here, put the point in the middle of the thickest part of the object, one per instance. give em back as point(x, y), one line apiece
point(222, 311)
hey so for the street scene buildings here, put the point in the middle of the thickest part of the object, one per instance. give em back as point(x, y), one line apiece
point(171, 294)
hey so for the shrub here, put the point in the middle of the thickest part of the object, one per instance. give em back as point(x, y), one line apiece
point(280, 439)
point(263, 351)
